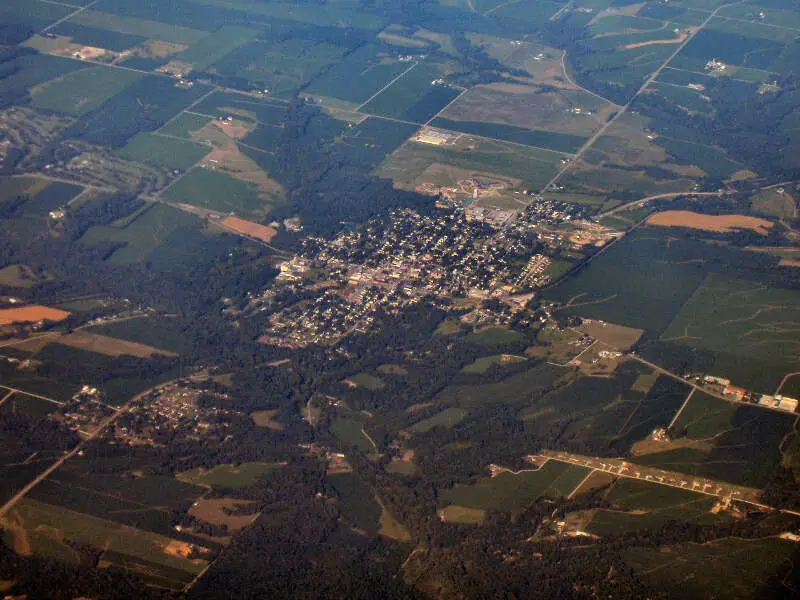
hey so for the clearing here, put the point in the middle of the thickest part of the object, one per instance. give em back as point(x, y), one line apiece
point(716, 223)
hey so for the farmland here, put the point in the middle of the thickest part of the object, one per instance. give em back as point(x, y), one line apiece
point(228, 476)
point(162, 151)
point(513, 492)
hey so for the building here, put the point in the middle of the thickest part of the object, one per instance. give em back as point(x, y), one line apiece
point(736, 392)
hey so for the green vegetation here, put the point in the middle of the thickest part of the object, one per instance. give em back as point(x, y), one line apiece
point(483, 364)
point(81, 91)
point(348, 426)
point(558, 142)
point(211, 48)
point(511, 493)
point(143, 236)
point(139, 27)
point(27, 405)
point(727, 569)
point(228, 476)
point(494, 336)
point(448, 418)
point(161, 332)
point(216, 190)
point(368, 381)
point(161, 151)
point(184, 125)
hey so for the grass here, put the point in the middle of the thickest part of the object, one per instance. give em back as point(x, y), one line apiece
point(448, 418)
point(184, 125)
point(512, 493)
point(167, 332)
point(228, 475)
point(208, 50)
point(368, 381)
point(143, 235)
point(216, 190)
point(348, 426)
point(79, 92)
point(483, 364)
point(463, 515)
point(160, 151)
point(494, 336)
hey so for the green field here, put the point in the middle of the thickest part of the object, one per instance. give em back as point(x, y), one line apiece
point(742, 318)
point(160, 151)
point(212, 48)
point(413, 97)
point(81, 91)
point(142, 236)
point(56, 525)
point(494, 336)
point(368, 381)
point(228, 476)
point(512, 493)
point(161, 332)
point(738, 443)
point(726, 569)
point(448, 418)
point(642, 505)
point(216, 190)
point(136, 26)
point(483, 364)
point(27, 405)
point(348, 426)
point(34, 14)
point(184, 125)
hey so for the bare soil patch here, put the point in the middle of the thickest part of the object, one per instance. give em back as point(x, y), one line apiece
point(260, 232)
point(110, 346)
point(618, 336)
point(789, 262)
point(716, 223)
point(31, 314)
point(649, 446)
point(678, 40)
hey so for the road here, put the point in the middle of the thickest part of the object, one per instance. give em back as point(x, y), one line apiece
point(56, 465)
point(15, 390)
point(653, 76)
point(644, 201)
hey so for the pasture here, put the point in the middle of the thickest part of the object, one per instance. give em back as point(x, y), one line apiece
point(209, 49)
point(348, 426)
point(138, 27)
point(494, 336)
point(217, 190)
point(165, 332)
point(366, 380)
point(481, 365)
point(448, 418)
point(184, 125)
point(508, 492)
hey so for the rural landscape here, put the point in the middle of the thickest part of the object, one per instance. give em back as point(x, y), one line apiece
point(444, 299)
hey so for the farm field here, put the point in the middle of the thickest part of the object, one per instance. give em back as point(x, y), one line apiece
point(512, 493)
point(494, 336)
point(184, 125)
point(81, 91)
point(209, 49)
point(217, 190)
point(727, 569)
point(168, 333)
point(161, 151)
point(30, 314)
point(367, 381)
point(109, 346)
point(722, 440)
point(483, 364)
point(642, 505)
point(138, 27)
point(228, 476)
point(143, 235)
point(448, 418)
point(348, 426)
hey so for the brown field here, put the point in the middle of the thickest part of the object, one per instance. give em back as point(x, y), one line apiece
point(462, 515)
point(109, 346)
point(789, 262)
point(677, 40)
point(216, 511)
point(260, 232)
point(716, 223)
point(648, 446)
point(158, 49)
point(31, 314)
point(596, 480)
point(617, 336)
point(264, 418)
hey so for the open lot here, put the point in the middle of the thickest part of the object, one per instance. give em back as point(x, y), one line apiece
point(31, 314)
point(512, 493)
point(109, 346)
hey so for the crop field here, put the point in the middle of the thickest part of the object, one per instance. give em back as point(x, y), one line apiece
point(640, 282)
point(25, 72)
point(413, 97)
point(742, 318)
point(45, 195)
point(242, 106)
point(348, 426)
point(551, 109)
point(184, 125)
point(461, 515)
point(483, 364)
point(212, 48)
point(558, 142)
point(516, 389)
point(217, 190)
point(161, 151)
point(228, 476)
point(494, 336)
point(407, 166)
point(280, 65)
point(448, 418)
point(731, 442)
point(143, 235)
point(162, 332)
point(642, 505)
point(56, 525)
point(145, 105)
point(108, 346)
point(358, 77)
point(137, 27)
point(726, 569)
point(512, 493)
point(32, 13)
point(367, 381)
